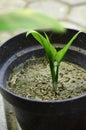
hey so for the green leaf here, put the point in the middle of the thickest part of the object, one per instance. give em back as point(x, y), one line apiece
point(60, 54)
point(44, 41)
point(28, 20)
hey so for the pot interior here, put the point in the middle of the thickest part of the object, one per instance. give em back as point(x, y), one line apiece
point(19, 49)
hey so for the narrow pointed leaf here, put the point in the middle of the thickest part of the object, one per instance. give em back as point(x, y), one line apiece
point(41, 39)
point(44, 41)
point(27, 20)
point(52, 49)
point(60, 54)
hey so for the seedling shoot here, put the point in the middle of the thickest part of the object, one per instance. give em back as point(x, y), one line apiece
point(55, 57)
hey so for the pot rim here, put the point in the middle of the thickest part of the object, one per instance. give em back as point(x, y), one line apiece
point(40, 101)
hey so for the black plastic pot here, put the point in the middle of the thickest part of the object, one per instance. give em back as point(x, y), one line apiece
point(69, 114)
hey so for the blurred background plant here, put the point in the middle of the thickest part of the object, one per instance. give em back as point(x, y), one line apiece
point(72, 14)
point(28, 20)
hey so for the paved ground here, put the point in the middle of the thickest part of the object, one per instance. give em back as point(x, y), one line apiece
point(72, 13)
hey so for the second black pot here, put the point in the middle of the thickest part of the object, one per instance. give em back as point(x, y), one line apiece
point(69, 114)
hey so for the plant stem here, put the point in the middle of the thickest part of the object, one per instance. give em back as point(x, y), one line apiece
point(54, 73)
point(57, 72)
point(56, 69)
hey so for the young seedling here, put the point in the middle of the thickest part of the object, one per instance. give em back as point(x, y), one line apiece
point(55, 57)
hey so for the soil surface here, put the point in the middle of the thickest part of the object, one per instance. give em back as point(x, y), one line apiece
point(33, 80)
